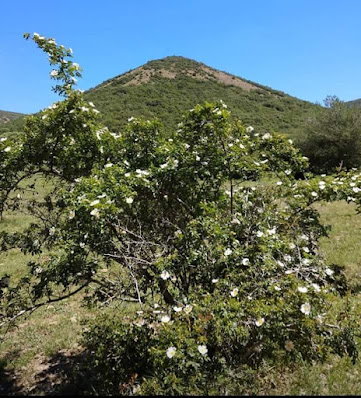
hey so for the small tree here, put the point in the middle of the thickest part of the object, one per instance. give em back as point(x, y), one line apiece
point(225, 274)
point(333, 137)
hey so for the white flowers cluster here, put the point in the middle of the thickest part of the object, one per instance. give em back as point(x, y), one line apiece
point(171, 351)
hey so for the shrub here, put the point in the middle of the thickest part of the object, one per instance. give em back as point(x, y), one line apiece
point(225, 274)
point(333, 138)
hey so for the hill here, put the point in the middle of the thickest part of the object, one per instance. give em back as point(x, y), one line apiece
point(165, 88)
point(356, 103)
point(6, 117)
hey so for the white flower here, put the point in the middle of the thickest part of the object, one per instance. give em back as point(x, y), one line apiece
point(171, 352)
point(95, 202)
point(7, 149)
point(271, 231)
point(228, 252)
point(266, 136)
point(234, 292)
point(108, 165)
point(306, 261)
point(314, 194)
point(164, 165)
point(91, 104)
point(165, 319)
point(235, 221)
point(289, 346)
point(188, 308)
point(131, 119)
point(177, 309)
point(203, 349)
point(316, 287)
point(288, 172)
point(82, 245)
point(260, 322)
point(165, 275)
point(356, 190)
point(215, 280)
point(249, 129)
point(329, 271)
point(245, 261)
point(71, 214)
point(52, 231)
point(129, 200)
point(292, 246)
point(280, 263)
point(277, 288)
point(302, 289)
point(259, 234)
point(54, 73)
point(306, 249)
point(75, 65)
point(2, 139)
point(95, 213)
point(306, 308)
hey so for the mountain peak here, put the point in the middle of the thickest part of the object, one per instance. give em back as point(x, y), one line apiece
point(175, 66)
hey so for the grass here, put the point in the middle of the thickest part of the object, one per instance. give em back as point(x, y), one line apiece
point(58, 327)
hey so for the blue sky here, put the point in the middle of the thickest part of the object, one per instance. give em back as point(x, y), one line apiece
point(307, 48)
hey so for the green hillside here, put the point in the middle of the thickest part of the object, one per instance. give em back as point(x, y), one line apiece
point(356, 103)
point(167, 87)
point(6, 117)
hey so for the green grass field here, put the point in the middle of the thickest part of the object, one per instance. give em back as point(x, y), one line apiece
point(33, 355)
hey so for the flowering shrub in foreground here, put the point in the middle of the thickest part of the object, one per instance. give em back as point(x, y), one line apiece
point(224, 269)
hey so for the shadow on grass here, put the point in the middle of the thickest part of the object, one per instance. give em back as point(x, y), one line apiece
point(8, 378)
point(65, 373)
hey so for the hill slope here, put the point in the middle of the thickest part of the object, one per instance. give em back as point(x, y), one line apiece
point(356, 103)
point(6, 117)
point(167, 87)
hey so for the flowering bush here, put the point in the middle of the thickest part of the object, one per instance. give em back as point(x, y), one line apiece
point(223, 267)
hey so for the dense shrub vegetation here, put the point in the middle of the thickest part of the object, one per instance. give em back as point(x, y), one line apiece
point(223, 274)
point(333, 138)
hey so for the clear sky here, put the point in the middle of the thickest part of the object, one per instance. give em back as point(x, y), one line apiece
point(306, 48)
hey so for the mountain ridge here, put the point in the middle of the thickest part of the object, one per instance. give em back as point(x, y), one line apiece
point(168, 87)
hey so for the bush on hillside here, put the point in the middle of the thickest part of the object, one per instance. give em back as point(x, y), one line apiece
point(223, 275)
point(333, 138)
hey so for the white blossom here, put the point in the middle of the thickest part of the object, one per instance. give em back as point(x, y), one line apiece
point(95, 213)
point(228, 252)
point(165, 275)
point(188, 309)
point(171, 352)
point(306, 308)
point(203, 349)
